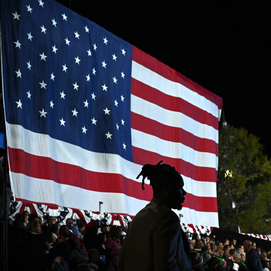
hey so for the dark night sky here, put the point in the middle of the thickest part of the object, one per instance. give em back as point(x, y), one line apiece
point(225, 46)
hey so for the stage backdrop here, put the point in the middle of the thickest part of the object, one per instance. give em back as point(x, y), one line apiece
point(85, 110)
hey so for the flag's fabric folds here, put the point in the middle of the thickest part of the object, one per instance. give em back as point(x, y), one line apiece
point(85, 110)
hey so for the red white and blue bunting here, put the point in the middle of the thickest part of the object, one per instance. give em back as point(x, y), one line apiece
point(63, 213)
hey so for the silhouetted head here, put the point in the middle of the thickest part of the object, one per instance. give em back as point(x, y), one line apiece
point(167, 184)
point(247, 245)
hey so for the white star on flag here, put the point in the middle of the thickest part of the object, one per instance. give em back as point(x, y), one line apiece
point(43, 113)
point(54, 23)
point(43, 29)
point(62, 122)
point(54, 49)
point(28, 95)
point(75, 86)
point(94, 121)
point(62, 95)
point(43, 56)
point(77, 60)
point(105, 40)
point(86, 103)
point(104, 87)
point(74, 112)
point(106, 111)
point(19, 104)
point(30, 37)
point(41, 3)
point(64, 17)
point(114, 57)
point(108, 135)
point(115, 80)
point(67, 41)
point(42, 84)
point(104, 64)
point(19, 74)
point(28, 65)
point(29, 9)
point(17, 44)
point(16, 16)
point(93, 96)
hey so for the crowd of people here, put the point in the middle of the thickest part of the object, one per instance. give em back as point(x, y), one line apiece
point(210, 254)
point(73, 245)
point(95, 247)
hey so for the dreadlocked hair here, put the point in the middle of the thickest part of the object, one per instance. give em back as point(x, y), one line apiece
point(158, 174)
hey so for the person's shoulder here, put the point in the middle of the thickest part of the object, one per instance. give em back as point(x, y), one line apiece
point(253, 251)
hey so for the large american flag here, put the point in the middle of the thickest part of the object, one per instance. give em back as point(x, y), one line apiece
point(85, 110)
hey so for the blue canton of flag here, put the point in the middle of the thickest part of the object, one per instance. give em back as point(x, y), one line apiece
point(75, 86)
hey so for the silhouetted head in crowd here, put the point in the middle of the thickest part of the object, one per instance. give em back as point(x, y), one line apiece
point(115, 232)
point(102, 238)
point(247, 245)
point(34, 226)
point(226, 251)
point(74, 243)
point(62, 249)
point(52, 220)
point(25, 216)
point(69, 223)
point(81, 227)
point(94, 256)
point(254, 245)
point(64, 231)
point(167, 184)
point(54, 228)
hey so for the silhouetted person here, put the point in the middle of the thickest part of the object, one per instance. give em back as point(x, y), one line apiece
point(113, 242)
point(253, 262)
point(21, 220)
point(155, 240)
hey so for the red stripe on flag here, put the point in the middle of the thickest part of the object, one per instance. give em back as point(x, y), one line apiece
point(200, 204)
point(171, 103)
point(172, 134)
point(167, 72)
point(203, 174)
point(46, 168)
